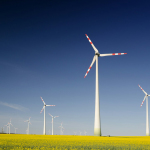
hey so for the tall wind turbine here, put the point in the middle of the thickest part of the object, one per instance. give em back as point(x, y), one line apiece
point(147, 122)
point(52, 121)
point(97, 127)
point(28, 124)
point(85, 132)
point(44, 115)
point(15, 130)
point(49, 131)
point(9, 125)
point(80, 132)
point(61, 129)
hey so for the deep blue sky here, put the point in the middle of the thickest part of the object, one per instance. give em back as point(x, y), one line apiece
point(44, 52)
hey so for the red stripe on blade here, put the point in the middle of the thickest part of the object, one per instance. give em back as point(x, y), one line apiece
point(91, 42)
point(113, 53)
point(90, 67)
point(119, 53)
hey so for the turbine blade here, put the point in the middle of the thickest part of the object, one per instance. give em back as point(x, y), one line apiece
point(50, 105)
point(56, 116)
point(43, 101)
point(142, 89)
point(143, 100)
point(50, 114)
point(94, 58)
point(95, 49)
point(102, 55)
point(42, 109)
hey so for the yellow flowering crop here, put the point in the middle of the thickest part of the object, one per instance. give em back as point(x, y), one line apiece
point(69, 142)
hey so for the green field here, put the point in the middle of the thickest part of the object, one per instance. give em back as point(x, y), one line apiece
point(69, 142)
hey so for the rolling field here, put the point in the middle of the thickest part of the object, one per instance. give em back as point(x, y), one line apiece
point(69, 142)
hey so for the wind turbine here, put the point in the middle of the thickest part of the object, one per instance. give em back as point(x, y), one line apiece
point(27, 131)
point(49, 131)
point(15, 130)
point(147, 122)
point(61, 129)
point(52, 121)
point(9, 125)
point(97, 127)
point(85, 132)
point(80, 132)
point(28, 124)
point(44, 115)
point(75, 133)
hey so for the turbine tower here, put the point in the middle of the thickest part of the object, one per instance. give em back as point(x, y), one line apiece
point(15, 130)
point(85, 132)
point(28, 125)
point(147, 122)
point(80, 132)
point(49, 131)
point(44, 129)
point(97, 127)
point(52, 121)
point(9, 123)
point(61, 129)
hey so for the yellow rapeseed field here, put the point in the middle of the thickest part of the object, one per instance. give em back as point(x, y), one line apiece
point(69, 142)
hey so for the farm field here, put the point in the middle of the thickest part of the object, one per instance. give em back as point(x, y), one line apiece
point(70, 142)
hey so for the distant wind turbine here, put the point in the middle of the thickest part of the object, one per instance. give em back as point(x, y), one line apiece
point(9, 125)
point(28, 124)
point(15, 129)
point(61, 129)
point(147, 122)
point(75, 133)
point(97, 127)
point(85, 132)
point(44, 129)
point(49, 131)
point(80, 132)
point(52, 121)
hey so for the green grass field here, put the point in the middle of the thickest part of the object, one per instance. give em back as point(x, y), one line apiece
point(69, 142)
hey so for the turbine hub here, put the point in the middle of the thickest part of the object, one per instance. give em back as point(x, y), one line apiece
point(97, 54)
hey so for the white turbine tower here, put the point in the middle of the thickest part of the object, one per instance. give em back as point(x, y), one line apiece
point(9, 125)
point(52, 121)
point(147, 122)
point(44, 129)
point(27, 131)
point(80, 132)
point(28, 125)
point(61, 129)
point(85, 132)
point(49, 131)
point(97, 127)
point(15, 129)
